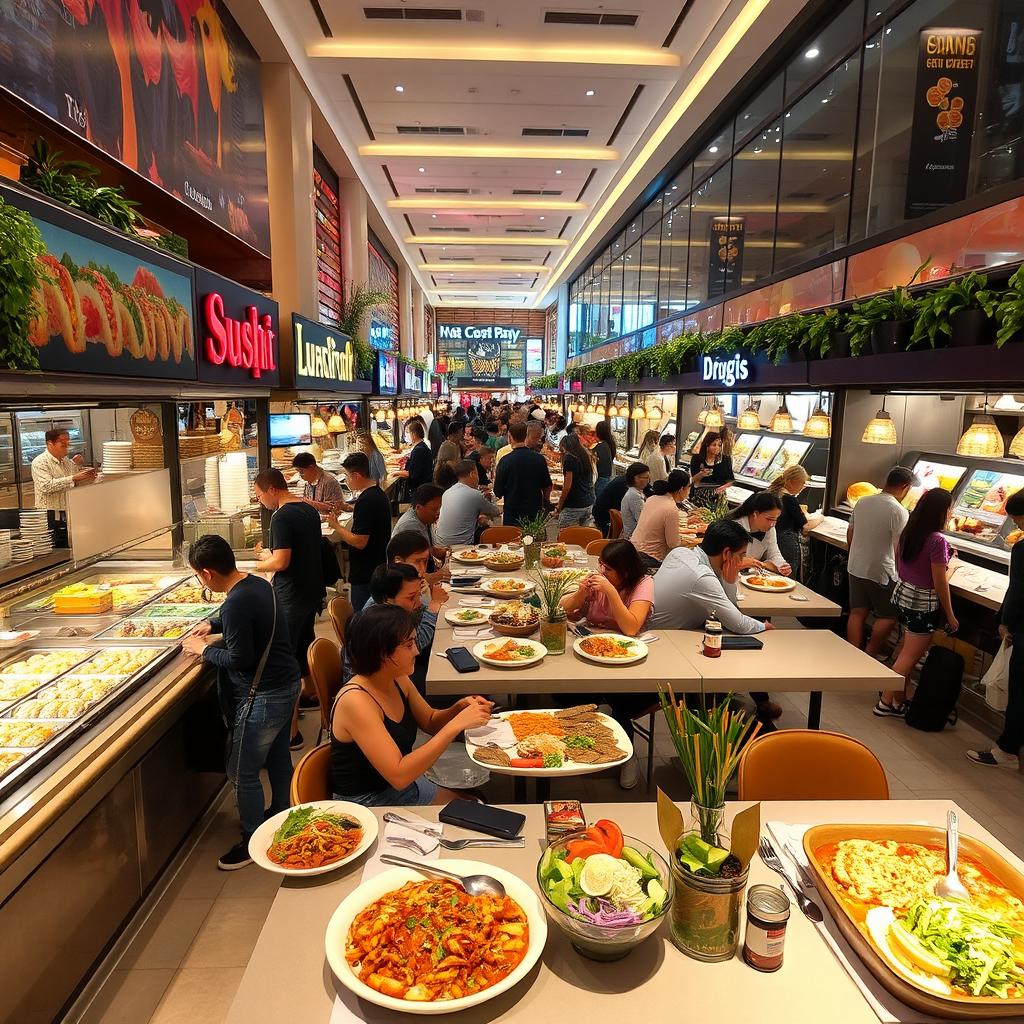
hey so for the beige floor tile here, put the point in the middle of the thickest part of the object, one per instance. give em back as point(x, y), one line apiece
point(199, 996)
point(228, 934)
point(166, 937)
point(128, 997)
point(250, 883)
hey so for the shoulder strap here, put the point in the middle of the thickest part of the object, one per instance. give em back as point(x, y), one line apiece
point(266, 650)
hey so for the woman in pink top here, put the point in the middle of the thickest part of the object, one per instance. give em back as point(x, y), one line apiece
point(657, 529)
point(922, 591)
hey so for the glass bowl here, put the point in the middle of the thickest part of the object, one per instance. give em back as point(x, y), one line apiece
point(604, 942)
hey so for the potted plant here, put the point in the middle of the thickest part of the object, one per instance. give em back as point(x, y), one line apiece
point(1010, 309)
point(780, 337)
point(554, 624)
point(356, 302)
point(959, 313)
point(21, 245)
point(827, 337)
point(535, 533)
point(886, 321)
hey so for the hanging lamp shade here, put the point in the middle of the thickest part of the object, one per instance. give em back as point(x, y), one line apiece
point(781, 422)
point(638, 413)
point(1017, 445)
point(702, 416)
point(715, 418)
point(336, 424)
point(749, 419)
point(319, 428)
point(653, 411)
point(880, 429)
point(982, 439)
point(818, 424)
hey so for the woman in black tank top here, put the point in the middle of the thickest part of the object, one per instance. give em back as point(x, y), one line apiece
point(376, 716)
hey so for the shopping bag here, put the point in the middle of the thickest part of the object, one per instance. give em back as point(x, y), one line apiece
point(997, 679)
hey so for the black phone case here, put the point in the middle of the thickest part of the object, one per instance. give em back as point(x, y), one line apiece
point(461, 660)
point(741, 643)
point(491, 821)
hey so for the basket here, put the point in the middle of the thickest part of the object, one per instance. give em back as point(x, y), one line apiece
point(520, 631)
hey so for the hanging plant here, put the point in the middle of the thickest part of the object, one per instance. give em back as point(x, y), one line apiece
point(21, 246)
point(357, 301)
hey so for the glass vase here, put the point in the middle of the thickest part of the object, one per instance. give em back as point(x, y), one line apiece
point(531, 553)
point(553, 632)
point(709, 823)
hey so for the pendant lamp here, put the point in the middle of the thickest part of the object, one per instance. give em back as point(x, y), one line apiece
point(715, 418)
point(781, 422)
point(881, 429)
point(703, 414)
point(1017, 445)
point(319, 428)
point(638, 413)
point(982, 439)
point(818, 423)
point(653, 411)
point(336, 424)
point(749, 419)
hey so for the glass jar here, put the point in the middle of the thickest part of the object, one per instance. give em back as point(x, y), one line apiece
point(553, 631)
point(531, 552)
point(765, 938)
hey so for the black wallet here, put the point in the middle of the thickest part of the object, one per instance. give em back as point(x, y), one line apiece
point(492, 821)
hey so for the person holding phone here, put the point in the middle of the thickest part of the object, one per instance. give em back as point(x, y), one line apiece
point(710, 470)
point(377, 714)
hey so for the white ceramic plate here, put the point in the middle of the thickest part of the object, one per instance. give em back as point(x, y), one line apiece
point(260, 840)
point(539, 652)
point(457, 617)
point(460, 556)
point(639, 649)
point(745, 579)
point(395, 878)
point(488, 585)
point(570, 768)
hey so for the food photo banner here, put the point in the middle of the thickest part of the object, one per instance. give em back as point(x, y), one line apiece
point(483, 353)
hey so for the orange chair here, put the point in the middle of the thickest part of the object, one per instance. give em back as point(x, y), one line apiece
point(501, 535)
point(325, 671)
point(580, 535)
point(311, 779)
point(340, 610)
point(615, 516)
point(595, 547)
point(808, 764)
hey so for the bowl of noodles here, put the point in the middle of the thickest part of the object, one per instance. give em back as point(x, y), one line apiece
point(313, 838)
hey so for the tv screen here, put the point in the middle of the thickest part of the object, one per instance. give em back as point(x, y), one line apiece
point(387, 374)
point(290, 428)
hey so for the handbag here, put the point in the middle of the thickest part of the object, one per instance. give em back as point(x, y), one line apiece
point(997, 679)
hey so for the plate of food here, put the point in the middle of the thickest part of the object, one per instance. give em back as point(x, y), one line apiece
point(562, 741)
point(505, 560)
point(955, 959)
point(313, 838)
point(471, 556)
point(506, 586)
point(499, 940)
point(767, 583)
point(465, 616)
point(511, 653)
point(513, 618)
point(610, 648)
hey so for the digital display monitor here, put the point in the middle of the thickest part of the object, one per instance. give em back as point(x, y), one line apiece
point(290, 428)
point(387, 374)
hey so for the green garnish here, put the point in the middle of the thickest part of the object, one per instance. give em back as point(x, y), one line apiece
point(411, 922)
point(553, 761)
point(579, 742)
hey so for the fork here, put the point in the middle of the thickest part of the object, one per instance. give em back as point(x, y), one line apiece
point(810, 909)
point(453, 844)
point(396, 819)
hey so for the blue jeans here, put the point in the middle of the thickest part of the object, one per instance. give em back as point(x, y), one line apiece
point(416, 794)
point(600, 484)
point(260, 740)
point(359, 594)
point(574, 517)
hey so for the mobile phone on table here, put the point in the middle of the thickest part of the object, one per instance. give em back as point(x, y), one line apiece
point(462, 660)
point(465, 581)
point(741, 643)
point(491, 821)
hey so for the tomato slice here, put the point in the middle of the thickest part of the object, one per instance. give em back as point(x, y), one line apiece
point(582, 848)
point(611, 836)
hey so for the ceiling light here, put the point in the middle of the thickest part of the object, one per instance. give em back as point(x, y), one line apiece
point(715, 419)
point(336, 425)
point(421, 169)
point(880, 429)
point(557, 171)
point(399, 88)
point(484, 267)
point(818, 424)
point(712, 149)
point(541, 217)
point(812, 53)
point(488, 151)
point(589, 92)
point(535, 240)
point(703, 414)
point(433, 216)
point(982, 439)
point(319, 428)
point(748, 419)
point(781, 422)
point(456, 203)
point(638, 413)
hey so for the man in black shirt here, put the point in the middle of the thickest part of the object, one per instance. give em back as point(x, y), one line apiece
point(611, 497)
point(522, 479)
point(296, 560)
point(260, 717)
point(370, 531)
point(419, 467)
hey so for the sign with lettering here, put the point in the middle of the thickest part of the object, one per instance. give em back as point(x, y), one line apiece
point(725, 258)
point(479, 332)
point(324, 357)
point(727, 371)
point(237, 336)
point(945, 109)
point(483, 353)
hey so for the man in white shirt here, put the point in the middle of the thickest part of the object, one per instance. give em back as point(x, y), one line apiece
point(875, 527)
point(54, 473)
point(461, 507)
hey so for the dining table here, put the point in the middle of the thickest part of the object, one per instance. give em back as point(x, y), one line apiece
point(288, 977)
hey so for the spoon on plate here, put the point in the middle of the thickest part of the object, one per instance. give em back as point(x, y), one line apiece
point(475, 885)
point(950, 887)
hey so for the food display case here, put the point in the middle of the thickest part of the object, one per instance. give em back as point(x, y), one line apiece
point(758, 457)
point(933, 474)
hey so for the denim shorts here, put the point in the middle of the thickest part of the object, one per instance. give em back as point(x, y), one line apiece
point(922, 623)
point(416, 794)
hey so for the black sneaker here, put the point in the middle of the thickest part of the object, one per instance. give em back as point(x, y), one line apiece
point(883, 709)
point(295, 743)
point(237, 857)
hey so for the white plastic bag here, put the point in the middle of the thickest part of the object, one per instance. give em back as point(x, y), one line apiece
point(997, 679)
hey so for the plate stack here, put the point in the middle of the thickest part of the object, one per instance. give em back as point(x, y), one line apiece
point(117, 456)
point(213, 481)
point(147, 456)
point(234, 482)
point(35, 531)
point(6, 553)
point(22, 551)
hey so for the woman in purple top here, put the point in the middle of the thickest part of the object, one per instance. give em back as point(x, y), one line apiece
point(922, 591)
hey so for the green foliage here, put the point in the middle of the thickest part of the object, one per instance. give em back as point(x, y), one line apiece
point(357, 300)
point(544, 382)
point(176, 245)
point(890, 307)
point(416, 364)
point(821, 329)
point(936, 308)
point(775, 337)
point(21, 245)
point(1010, 310)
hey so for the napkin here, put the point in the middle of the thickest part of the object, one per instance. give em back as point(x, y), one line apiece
point(475, 601)
point(347, 1006)
point(789, 843)
point(481, 633)
point(497, 731)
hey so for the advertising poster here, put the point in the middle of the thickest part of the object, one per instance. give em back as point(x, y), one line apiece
point(172, 90)
point(788, 455)
point(931, 475)
point(762, 456)
point(741, 448)
point(725, 257)
point(387, 374)
point(945, 106)
point(534, 355)
point(980, 510)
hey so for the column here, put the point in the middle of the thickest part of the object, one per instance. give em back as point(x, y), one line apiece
point(408, 328)
point(562, 336)
point(419, 348)
point(355, 261)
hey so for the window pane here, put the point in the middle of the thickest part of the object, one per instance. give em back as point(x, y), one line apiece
point(650, 253)
point(675, 240)
point(835, 41)
point(713, 153)
point(606, 277)
point(615, 299)
point(618, 247)
point(633, 232)
point(630, 290)
point(869, 99)
point(765, 104)
point(755, 185)
point(678, 188)
point(651, 215)
point(817, 159)
point(710, 201)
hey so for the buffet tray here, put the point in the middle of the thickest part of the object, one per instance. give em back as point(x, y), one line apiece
point(110, 633)
point(951, 1007)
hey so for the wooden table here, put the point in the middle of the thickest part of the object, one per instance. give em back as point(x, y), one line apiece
point(763, 604)
point(288, 978)
point(792, 661)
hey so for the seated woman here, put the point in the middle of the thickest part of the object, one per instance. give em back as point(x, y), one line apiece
point(657, 530)
point(618, 598)
point(375, 718)
point(758, 516)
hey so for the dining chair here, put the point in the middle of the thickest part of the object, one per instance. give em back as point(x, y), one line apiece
point(809, 764)
point(615, 517)
point(311, 778)
point(595, 547)
point(340, 610)
point(501, 535)
point(579, 535)
point(325, 662)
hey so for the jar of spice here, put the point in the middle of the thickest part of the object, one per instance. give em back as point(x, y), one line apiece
point(765, 938)
point(712, 637)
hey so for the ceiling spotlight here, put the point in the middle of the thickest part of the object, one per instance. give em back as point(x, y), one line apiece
point(590, 92)
point(541, 217)
point(712, 149)
point(399, 88)
point(557, 171)
point(812, 53)
point(422, 170)
point(433, 216)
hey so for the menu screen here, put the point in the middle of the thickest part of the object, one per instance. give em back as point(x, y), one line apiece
point(931, 475)
point(980, 510)
point(741, 448)
point(763, 455)
point(788, 455)
point(689, 443)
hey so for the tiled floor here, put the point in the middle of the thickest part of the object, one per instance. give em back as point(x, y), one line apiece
point(186, 963)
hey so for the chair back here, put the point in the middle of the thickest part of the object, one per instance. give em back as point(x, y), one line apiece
point(311, 778)
point(808, 764)
point(580, 535)
point(325, 671)
point(595, 547)
point(501, 535)
point(340, 610)
point(615, 516)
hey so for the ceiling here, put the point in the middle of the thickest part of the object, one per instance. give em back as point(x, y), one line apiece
point(500, 143)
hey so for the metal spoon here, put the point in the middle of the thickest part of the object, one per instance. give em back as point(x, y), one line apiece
point(475, 885)
point(950, 887)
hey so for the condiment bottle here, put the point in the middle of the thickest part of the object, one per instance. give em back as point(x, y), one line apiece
point(712, 637)
point(765, 937)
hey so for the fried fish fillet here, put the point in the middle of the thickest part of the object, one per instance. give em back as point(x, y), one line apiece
point(492, 755)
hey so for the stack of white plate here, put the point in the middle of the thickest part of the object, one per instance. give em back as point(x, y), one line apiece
point(117, 456)
point(213, 481)
point(6, 554)
point(22, 550)
point(35, 530)
point(234, 482)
